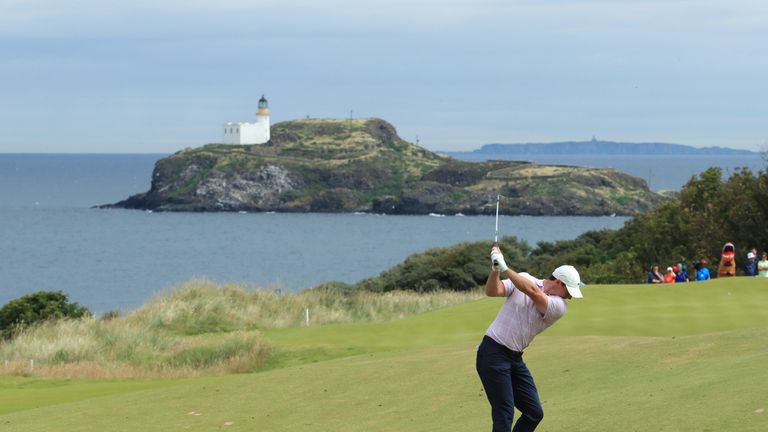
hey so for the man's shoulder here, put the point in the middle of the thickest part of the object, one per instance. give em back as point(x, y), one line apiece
point(556, 308)
point(557, 299)
point(530, 277)
point(511, 289)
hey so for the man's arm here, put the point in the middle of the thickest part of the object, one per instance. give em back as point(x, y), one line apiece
point(530, 289)
point(493, 286)
point(526, 286)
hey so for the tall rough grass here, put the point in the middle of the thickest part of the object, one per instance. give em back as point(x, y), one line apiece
point(121, 348)
point(198, 328)
point(202, 306)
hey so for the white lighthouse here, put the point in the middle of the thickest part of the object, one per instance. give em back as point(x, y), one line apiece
point(249, 133)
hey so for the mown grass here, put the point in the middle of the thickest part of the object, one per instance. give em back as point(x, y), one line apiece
point(21, 393)
point(608, 310)
point(625, 358)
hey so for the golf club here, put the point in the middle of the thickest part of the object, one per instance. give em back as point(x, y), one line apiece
point(496, 236)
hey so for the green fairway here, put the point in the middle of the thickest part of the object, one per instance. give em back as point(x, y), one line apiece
point(634, 357)
point(19, 394)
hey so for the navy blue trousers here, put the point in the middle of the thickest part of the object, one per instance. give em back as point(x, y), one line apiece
point(508, 385)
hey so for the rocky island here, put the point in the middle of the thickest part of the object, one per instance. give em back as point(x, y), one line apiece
point(362, 165)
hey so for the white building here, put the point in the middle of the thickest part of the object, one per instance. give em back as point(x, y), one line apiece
point(249, 133)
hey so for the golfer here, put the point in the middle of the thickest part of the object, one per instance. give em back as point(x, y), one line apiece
point(531, 306)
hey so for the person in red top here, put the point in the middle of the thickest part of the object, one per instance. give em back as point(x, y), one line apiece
point(670, 276)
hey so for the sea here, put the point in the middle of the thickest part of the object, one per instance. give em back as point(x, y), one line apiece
point(51, 237)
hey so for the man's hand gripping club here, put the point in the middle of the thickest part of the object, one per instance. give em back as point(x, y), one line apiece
point(497, 260)
point(495, 288)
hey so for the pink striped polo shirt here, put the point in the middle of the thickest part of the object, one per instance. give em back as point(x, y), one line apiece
point(518, 320)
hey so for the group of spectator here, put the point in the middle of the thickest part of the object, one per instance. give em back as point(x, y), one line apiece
point(678, 273)
point(700, 271)
point(753, 267)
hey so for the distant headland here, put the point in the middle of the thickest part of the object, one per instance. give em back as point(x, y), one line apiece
point(598, 147)
point(362, 165)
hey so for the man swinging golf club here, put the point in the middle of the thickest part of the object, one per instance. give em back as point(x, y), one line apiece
point(531, 306)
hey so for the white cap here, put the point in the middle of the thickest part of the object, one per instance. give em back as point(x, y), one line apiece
point(669, 269)
point(570, 277)
point(750, 255)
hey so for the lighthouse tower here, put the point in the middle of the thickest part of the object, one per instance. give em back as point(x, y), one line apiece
point(263, 113)
point(249, 133)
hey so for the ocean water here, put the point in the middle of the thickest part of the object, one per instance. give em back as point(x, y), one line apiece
point(72, 181)
point(50, 238)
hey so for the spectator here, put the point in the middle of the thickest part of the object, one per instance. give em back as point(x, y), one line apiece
point(762, 266)
point(669, 276)
point(702, 272)
point(750, 267)
point(682, 273)
point(654, 277)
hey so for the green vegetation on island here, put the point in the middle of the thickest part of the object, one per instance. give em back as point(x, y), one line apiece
point(324, 165)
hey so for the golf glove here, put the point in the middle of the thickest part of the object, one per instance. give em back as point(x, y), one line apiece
point(497, 260)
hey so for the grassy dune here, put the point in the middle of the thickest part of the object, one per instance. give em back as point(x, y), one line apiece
point(200, 328)
point(626, 358)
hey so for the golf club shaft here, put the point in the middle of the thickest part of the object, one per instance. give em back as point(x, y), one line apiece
point(496, 236)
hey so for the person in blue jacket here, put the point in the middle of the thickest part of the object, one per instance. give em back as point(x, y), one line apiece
point(702, 272)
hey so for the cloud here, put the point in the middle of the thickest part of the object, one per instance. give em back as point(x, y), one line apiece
point(543, 66)
point(142, 18)
point(44, 18)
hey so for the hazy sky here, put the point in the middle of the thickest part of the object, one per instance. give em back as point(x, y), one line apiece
point(157, 76)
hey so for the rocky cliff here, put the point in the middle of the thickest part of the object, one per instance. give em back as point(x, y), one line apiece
point(316, 165)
